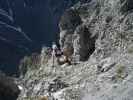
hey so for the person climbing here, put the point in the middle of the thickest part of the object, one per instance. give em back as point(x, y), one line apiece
point(65, 56)
point(61, 56)
point(54, 50)
point(67, 52)
point(59, 53)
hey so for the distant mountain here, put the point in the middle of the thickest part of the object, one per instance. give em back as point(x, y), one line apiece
point(25, 25)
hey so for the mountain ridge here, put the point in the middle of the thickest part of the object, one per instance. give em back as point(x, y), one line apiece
point(106, 73)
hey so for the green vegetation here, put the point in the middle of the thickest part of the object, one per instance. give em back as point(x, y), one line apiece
point(120, 72)
point(130, 49)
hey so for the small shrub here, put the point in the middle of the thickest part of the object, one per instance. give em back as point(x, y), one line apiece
point(120, 72)
point(130, 49)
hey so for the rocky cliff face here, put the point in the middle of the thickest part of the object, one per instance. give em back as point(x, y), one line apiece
point(25, 26)
point(100, 35)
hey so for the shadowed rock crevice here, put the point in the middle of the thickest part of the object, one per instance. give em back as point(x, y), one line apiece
point(84, 42)
point(127, 6)
point(75, 34)
point(70, 20)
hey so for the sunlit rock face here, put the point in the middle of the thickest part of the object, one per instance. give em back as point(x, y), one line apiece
point(105, 37)
point(25, 25)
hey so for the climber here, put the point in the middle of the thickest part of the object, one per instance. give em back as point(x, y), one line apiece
point(54, 50)
point(65, 55)
point(62, 56)
point(59, 53)
point(67, 52)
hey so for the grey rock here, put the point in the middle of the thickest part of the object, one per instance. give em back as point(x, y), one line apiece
point(104, 42)
point(81, 45)
point(69, 21)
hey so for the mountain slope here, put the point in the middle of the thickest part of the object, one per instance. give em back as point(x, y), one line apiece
point(105, 29)
point(25, 26)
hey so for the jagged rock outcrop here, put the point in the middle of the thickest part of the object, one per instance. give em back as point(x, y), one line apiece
point(104, 40)
point(74, 34)
point(83, 43)
point(69, 21)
